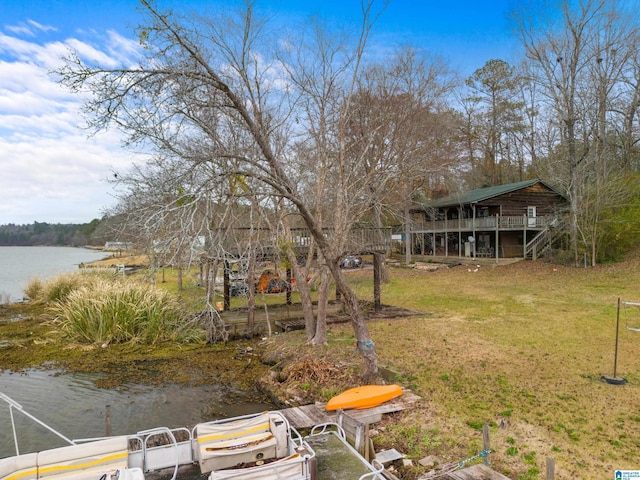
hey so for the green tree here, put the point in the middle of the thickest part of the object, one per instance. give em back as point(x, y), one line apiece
point(498, 116)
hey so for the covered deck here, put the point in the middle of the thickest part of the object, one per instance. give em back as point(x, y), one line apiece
point(496, 236)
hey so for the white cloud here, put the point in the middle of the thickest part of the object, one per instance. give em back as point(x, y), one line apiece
point(51, 170)
point(27, 29)
point(41, 27)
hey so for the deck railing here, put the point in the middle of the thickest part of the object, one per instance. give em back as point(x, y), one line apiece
point(520, 222)
point(544, 240)
point(359, 240)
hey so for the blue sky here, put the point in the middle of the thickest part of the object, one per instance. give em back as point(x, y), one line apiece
point(51, 171)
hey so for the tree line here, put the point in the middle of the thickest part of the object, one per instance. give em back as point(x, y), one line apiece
point(47, 234)
point(256, 127)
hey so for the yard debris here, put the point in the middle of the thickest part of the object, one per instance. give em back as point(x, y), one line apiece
point(387, 456)
point(429, 462)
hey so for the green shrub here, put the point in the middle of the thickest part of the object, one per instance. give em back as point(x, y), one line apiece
point(109, 311)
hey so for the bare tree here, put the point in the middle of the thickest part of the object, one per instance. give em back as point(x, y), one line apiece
point(210, 91)
point(398, 127)
point(577, 60)
point(560, 55)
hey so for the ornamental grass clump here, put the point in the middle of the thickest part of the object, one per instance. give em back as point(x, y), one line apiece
point(109, 312)
point(34, 289)
point(57, 288)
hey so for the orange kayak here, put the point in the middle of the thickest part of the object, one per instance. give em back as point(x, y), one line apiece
point(366, 396)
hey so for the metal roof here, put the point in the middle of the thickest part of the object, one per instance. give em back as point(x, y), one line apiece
point(480, 194)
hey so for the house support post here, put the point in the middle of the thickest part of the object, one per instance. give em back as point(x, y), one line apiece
point(446, 233)
point(524, 238)
point(408, 241)
point(460, 245)
point(497, 236)
point(473, 227)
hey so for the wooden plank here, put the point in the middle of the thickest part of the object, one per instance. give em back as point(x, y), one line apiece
point(355, 430)
point(365, 417)
point(306, 416)
point(396, 405)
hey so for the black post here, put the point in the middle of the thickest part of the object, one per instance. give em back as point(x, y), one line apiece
point(227, 292)
point(615, 357)
point(377, 278)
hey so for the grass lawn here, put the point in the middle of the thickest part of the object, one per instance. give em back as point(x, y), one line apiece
point(522, 348)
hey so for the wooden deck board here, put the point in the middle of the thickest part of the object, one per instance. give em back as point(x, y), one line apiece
point(306, 416)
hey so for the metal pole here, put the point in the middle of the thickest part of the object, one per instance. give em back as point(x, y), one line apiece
point(13, 404)
point(615, 357)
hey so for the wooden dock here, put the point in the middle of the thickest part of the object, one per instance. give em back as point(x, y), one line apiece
point(275, 318)
point(306, 416)
point(356, 425)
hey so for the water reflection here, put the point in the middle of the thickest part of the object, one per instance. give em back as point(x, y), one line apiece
point(76, 408)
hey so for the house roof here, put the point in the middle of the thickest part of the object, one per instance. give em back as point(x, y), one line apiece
point(481, 194)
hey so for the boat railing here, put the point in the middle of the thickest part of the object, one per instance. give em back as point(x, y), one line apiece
point(158, 456)
point(376, 473)
point(323, 428)
point(149, 450)
point(261, 436)
point(15, 406)
point(331, 428)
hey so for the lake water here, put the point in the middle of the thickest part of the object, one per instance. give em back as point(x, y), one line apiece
point(19, 264)
point(71, 404)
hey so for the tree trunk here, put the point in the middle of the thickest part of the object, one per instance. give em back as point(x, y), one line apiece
point(251, 294)
point(304, 289)
point(225, 283)
point(363, 338)
point(211, 277)
point(320, 337)
point(364, 343)
point(407, 236)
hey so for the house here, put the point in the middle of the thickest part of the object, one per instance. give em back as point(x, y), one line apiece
point(514, 220)
point(118, 246)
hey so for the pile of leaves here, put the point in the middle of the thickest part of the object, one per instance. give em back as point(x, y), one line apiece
point(300, 374)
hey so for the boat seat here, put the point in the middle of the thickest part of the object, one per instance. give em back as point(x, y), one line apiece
point(22, 467)
point(86, 461)
point(229, 444)
point(293, 467)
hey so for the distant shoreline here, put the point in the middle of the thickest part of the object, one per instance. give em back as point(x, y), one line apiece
point(20, 263)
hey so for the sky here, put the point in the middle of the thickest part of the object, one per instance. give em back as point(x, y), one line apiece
point(52, 170)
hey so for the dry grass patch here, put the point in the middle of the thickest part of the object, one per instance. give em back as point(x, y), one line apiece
point(522, 348)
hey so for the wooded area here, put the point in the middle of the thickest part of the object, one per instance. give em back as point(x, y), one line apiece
point(42, 233)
